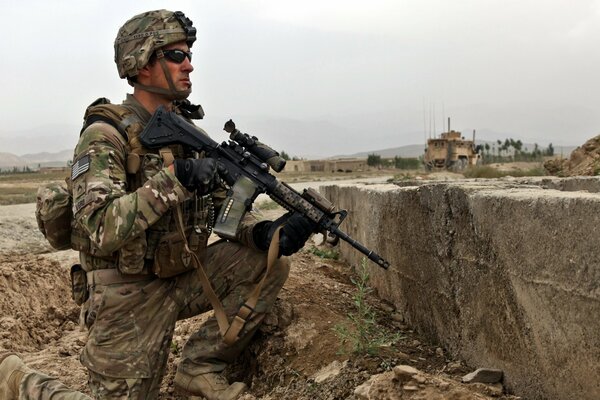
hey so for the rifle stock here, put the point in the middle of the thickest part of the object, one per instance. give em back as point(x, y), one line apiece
point(248, 175)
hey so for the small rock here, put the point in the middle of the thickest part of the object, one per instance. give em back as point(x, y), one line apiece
point(415, 343)
point(70, 326)
point(397, 317)
point(439, 352)
point(387, 308)
point(362, 391)
point(64, 352)
point(410, 388)
point(329, 371)
point(419, 379)
point(483, 375)
point(454, 366)
point(318, 239)
point(404, 373)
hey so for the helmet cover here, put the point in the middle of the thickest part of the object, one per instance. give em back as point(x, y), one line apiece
point(143, 34)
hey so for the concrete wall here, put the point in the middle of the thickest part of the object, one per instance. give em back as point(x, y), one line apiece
point(503, 273)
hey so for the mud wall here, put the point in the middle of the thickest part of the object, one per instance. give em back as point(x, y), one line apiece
point(503, 273)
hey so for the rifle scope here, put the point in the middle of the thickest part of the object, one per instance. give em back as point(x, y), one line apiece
point(254, 146)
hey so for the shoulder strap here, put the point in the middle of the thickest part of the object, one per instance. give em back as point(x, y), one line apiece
point(101, 118)
point(115, 115)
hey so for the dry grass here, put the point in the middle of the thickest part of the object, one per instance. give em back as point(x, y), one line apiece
point(33, 177)
point(17, 195)
point(22, 188)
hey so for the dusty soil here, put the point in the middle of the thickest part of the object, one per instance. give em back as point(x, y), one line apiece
point(296, 355)
point(584, 160)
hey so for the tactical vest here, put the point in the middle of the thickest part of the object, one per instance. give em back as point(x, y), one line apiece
point(141, 165)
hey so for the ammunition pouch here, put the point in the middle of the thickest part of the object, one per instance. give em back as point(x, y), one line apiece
point(171, 258)
point(79, 289)
point(131, 255)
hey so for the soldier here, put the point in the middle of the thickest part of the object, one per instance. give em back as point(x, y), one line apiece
point(136, 279)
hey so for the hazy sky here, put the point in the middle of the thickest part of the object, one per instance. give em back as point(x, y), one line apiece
point(321, 77)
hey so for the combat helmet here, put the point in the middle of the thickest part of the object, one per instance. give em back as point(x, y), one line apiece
point(141, 36)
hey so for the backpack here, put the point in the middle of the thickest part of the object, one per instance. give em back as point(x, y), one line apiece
point(54, 201)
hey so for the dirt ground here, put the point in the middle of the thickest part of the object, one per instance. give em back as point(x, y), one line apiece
point(296, 355)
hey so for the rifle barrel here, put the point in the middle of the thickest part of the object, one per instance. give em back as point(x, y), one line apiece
point(371, 255)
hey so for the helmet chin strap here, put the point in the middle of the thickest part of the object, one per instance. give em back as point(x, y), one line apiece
point(172, 93)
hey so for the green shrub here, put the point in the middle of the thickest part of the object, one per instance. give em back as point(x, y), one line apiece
point(361, 332)
point(331, 254)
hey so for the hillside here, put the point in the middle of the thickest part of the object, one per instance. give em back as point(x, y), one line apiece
point(45, 159)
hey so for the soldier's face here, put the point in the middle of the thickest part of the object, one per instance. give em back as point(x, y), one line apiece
point(180, 71)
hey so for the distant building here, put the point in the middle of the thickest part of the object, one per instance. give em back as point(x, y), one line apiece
point(49, 170)
point(339, 165)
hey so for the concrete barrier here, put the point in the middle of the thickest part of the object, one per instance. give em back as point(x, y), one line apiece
point(504, 273)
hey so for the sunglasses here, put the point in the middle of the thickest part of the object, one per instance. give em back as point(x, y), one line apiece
point(177, 56)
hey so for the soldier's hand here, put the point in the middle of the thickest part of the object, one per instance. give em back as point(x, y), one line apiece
point(295, 232)
point(197, 174)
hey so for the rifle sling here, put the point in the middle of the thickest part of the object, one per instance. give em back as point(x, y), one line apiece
point(230, 331)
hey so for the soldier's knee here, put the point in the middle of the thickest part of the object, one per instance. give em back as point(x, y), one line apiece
point(281, 269)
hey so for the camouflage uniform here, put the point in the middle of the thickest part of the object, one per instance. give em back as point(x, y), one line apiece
point(124, 202)
point(131, 323)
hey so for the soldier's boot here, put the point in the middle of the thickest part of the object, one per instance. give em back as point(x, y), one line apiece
point(211, 385)
point(12, 371)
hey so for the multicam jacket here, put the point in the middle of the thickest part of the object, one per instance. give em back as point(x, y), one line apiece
point(124, 197)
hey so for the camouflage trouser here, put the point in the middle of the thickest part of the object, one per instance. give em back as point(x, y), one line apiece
point(131, 326)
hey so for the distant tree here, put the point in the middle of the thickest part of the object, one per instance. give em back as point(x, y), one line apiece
point(536, 153)
point(373, 160)
point(284, 155)
point(550, 150)
point(518, 145)
point(406, 163)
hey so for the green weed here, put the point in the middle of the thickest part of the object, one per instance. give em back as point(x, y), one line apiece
point(330, 254)
point(361, 332)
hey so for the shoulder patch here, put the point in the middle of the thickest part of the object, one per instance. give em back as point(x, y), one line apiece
point(80, 166)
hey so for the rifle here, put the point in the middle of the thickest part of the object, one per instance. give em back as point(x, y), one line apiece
point(246, 163)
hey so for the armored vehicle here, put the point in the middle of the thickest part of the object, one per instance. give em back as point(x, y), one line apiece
point(451, 151)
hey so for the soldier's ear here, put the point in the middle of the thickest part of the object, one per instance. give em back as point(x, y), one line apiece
point(144, 71)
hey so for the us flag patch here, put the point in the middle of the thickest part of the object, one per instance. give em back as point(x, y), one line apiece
point(80, 166)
